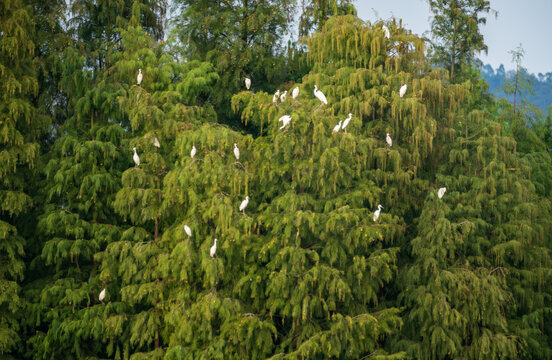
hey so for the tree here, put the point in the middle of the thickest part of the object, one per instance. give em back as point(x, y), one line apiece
point(136, 267)
point(315, 13)
point(241, 39)
point(21, 126)
point(96, 24)
point(456, 36)
point(520, 85)
point(81, 178)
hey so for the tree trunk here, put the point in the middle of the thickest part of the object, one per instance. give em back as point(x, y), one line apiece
point(453, 57)
point(516, 90)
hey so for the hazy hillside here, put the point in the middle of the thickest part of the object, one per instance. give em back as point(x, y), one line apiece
point(542, 84)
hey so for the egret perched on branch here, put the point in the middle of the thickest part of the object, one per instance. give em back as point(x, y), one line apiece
point(377, 213)
point(441, 192)
point(156, 142)
point(213, 249)
point(386, 31)
point(102, 295)
point(320, 95)
point(136, 158)
point(346, 122)
point(247, 83)
point(236, 151)
point(402, 91)
point(243, 204)
point(193, 152)
point(388, 140)
point(337, 127)
point(285, 121)
point(188, 230)
point(283, 96)
point(276, 96)
point(295, 92)
point(139, 77)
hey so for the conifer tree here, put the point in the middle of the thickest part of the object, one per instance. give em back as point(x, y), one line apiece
point(457, 38)
point(135, 267)
point(82, 177)
point(303, 273)
point(241, 39)
point(20, 128)
point(314, 13)
point(468, 286)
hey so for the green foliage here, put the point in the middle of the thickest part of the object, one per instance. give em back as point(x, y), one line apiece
point(20, 127)
point(305, 271)
point(241, 39)
point(315, 13)
point(455, 32)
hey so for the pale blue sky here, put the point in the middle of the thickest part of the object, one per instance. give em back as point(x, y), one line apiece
point(527, 22)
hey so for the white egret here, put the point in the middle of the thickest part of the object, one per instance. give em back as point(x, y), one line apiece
point(247, 83)
point(102, 295)
point(243, 204)
point(346, 122)
point(193, 152)
point(156, 142)
point(320, 95)
point(236, 151)
point(136, 158)
point(295, 92)
point(338, 126)
point(386, 31)
point(283, 96)
point(402, 91)
point(213, 249)
point(188, 230)
point(276, 96)
point(377, 213)
point(139, 77)
point(441, 192)
point(388, 140)
point(285, 121)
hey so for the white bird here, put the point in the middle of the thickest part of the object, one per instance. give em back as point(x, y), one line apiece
point(243, 204)
point(188, 230)
point(193, 152)
point(247, 83)
point(338, 126)
point(139, 77)
point(213, 249)
point(402, 91)
point(388, 140)
point(283, 96)
point(441, 192)
point(276, 96)
point(136, 158)
point(295, 92)
point(156, 142)
point(346, 122)
point(285, 121)
point(236, 151)
point(386, 31)
point(320, 95)
point(377, 213)
point(102, 295)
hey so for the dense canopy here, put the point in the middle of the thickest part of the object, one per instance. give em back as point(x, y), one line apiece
point(156, 205)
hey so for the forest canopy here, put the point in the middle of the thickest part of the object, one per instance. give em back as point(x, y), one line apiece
point(229, 184)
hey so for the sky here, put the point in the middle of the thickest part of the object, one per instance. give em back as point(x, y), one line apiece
point(526, 22)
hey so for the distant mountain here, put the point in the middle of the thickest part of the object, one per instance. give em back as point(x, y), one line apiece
point(542, 85)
